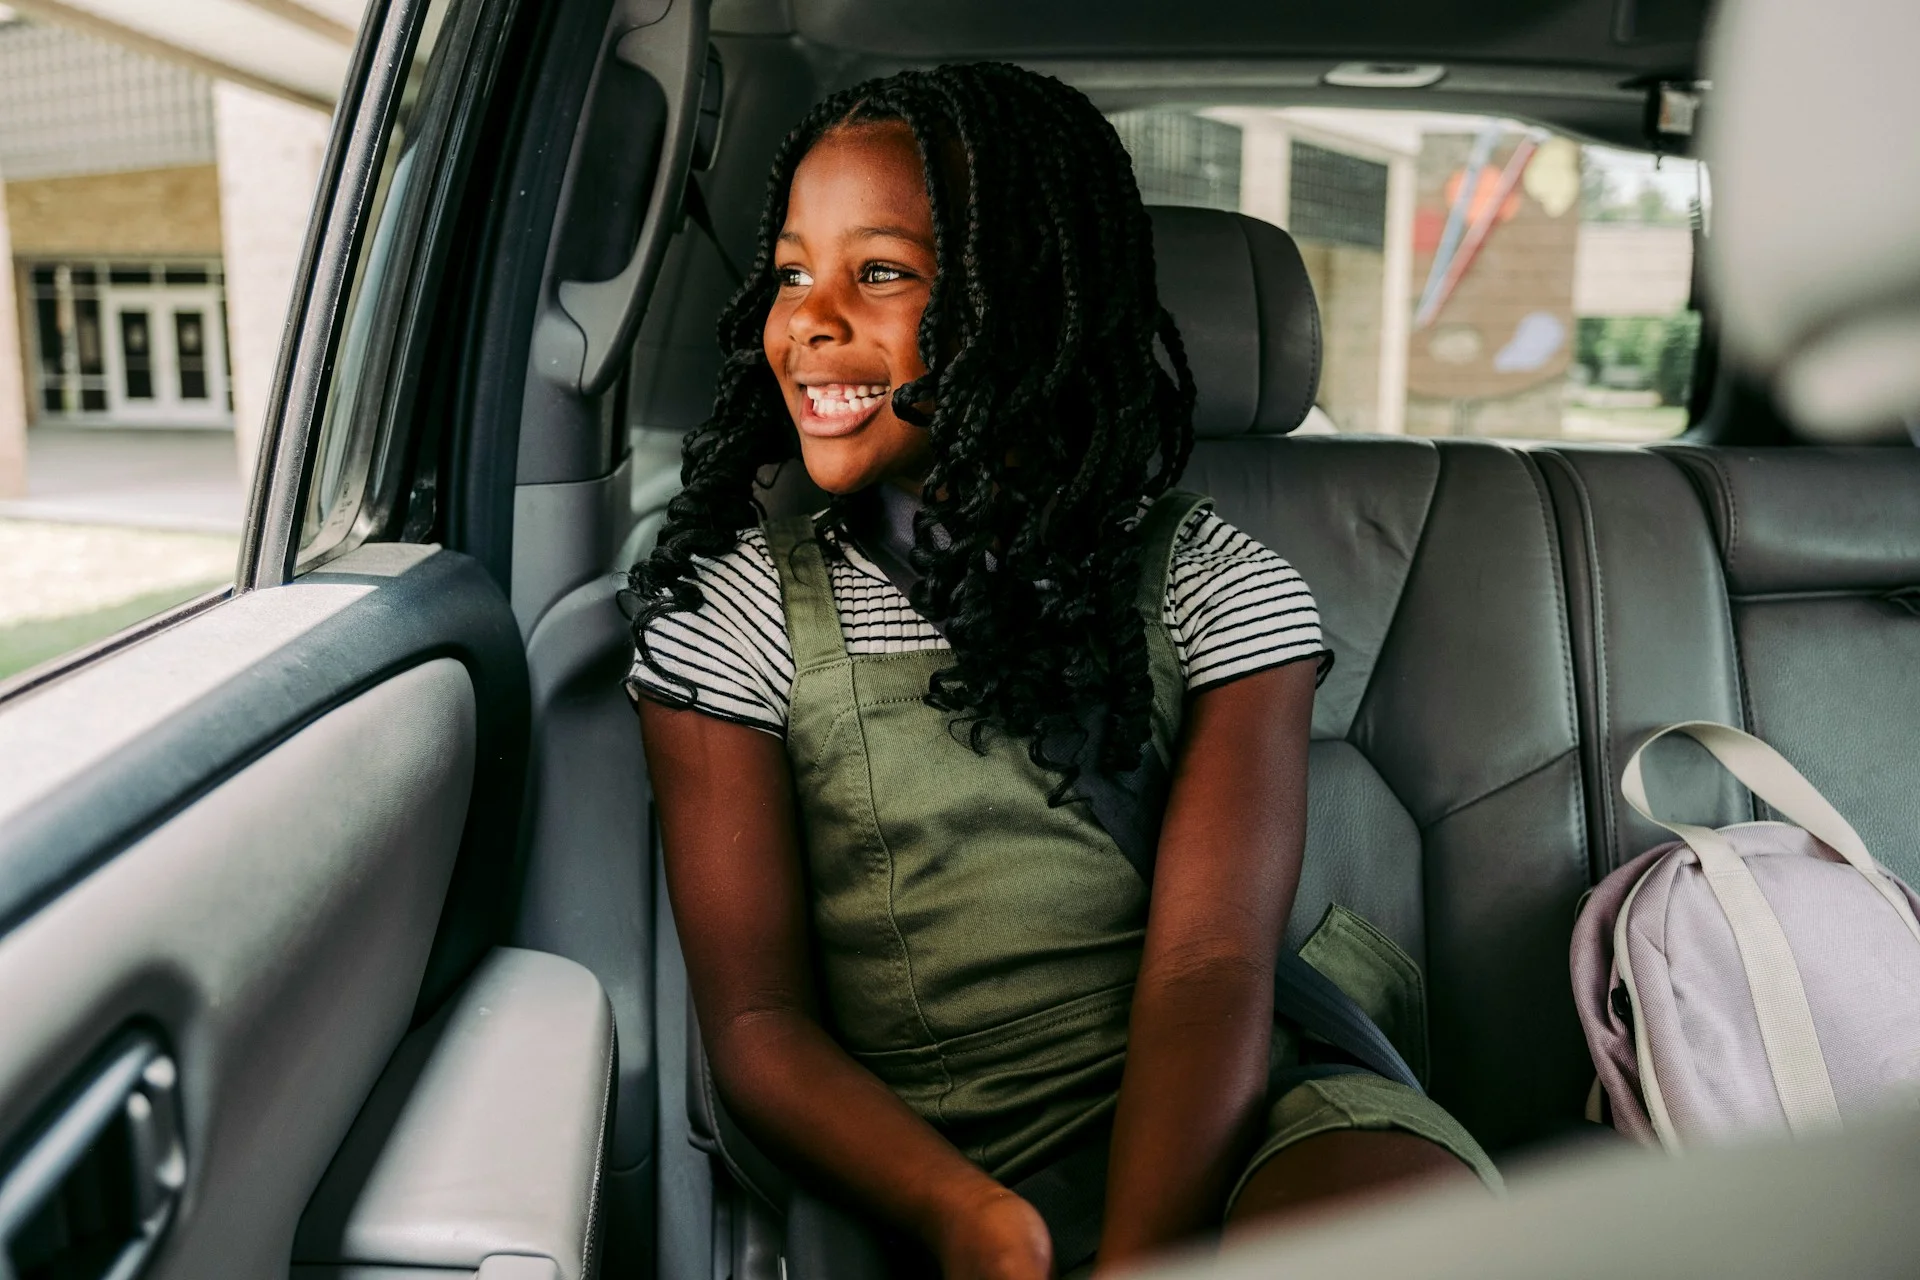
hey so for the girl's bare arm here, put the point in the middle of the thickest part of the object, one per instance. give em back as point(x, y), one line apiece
point(734, 875)
point(1192, 1097)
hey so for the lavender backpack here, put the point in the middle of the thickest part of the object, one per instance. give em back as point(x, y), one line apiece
point(1764, 977)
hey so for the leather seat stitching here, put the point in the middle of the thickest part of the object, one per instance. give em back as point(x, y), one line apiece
point(1603, 692)
point(1551, 539)
point(1594, 781)
point(1400, 600)
point(1731, 504)
point(1733, 510)
point(1510, 783)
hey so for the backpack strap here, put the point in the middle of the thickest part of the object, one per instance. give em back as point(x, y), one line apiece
point(1794, 1056)
point(1766, 773)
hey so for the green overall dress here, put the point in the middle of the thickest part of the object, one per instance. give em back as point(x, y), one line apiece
point(978, 946)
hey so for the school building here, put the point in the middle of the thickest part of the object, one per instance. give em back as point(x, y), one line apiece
point(158, 163)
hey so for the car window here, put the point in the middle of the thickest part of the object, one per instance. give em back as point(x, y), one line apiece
point(133, 216)
point(1476, 276)
point(345, 491)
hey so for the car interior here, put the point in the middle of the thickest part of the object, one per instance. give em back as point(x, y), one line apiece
point(331, 918)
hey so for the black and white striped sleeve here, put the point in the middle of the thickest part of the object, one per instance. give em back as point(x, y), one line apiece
point(1235, 607)
point(731, 657)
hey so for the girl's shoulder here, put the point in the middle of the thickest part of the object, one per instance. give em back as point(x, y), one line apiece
point(730, 656)
point(1235, 606)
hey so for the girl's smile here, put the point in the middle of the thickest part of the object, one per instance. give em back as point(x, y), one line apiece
point(855, 265)
point(839, 408)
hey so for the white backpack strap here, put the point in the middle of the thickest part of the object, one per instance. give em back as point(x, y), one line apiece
point(1766, 773)
point(1773, 978)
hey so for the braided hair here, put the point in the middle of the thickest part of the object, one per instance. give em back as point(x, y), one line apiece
point(1051, 417)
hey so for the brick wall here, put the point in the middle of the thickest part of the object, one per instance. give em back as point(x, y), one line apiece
point(146, 212)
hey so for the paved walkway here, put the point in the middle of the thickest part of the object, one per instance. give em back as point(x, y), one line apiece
point(116, 526)
point(187, 481)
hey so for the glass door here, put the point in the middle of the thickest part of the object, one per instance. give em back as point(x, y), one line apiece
point(166, 360)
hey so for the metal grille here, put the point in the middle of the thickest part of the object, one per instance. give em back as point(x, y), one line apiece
point(71, 104)
point(1180, 158)
point(1338, 197)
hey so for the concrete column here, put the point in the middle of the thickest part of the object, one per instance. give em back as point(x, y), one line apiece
point(269, 152)
point(1396, 296)
point(13, 381)
point(1266, 166)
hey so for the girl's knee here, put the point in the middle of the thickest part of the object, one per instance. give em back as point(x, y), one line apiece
point(1334, 1172)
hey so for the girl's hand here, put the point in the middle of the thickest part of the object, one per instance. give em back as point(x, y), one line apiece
point(995, 1235)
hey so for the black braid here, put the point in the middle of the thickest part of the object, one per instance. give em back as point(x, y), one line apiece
point(1040, 340)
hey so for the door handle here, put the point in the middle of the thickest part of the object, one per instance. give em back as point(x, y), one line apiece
point(93, 1192)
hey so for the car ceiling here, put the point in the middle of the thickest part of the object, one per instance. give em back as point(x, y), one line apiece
point(1578, 65)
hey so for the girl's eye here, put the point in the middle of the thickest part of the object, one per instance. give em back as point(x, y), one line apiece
point(791, 277)
point(881, 273)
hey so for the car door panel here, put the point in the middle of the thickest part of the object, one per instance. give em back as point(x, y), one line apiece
point(280, 828)
point(272, 931)
point(116, 746)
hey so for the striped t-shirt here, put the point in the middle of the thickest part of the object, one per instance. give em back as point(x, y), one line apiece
point(1232, 606)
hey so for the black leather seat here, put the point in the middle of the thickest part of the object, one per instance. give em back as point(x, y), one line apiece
point(1445, 800)
point(1770, 588)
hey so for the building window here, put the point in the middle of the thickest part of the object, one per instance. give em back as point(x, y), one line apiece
point(133, 344)
point(1337, 197)
point(1182, 158)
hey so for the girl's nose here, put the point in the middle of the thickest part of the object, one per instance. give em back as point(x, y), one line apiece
point(819, 319)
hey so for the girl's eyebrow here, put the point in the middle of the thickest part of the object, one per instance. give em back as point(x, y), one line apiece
point(866, 233)
point(889, 233)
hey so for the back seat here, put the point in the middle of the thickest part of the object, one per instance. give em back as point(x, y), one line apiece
point(1445, 798)
point(1777, 589)
point(1507, 623)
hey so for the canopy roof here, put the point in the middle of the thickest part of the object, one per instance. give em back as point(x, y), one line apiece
point(296, 49)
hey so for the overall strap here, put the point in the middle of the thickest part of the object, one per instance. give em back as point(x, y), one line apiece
point(806, 592)
point(1159, 536)
point(1159, 533)
point(1129, 807)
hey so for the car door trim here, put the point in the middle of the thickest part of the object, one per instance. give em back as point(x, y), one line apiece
point(444, 604)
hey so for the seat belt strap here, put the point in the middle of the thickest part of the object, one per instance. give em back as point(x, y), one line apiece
point(694, 201)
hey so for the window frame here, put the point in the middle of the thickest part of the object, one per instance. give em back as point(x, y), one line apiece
point(401, 323)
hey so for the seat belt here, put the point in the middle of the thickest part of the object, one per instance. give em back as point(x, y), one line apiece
point(694, 202)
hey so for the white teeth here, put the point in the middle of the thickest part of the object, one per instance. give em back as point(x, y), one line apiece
point(842, 399)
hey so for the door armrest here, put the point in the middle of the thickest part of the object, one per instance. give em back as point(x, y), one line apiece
point(485, 1136)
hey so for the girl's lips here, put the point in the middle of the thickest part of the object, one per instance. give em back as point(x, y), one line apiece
point(843, 414)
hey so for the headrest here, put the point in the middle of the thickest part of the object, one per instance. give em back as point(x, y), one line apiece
point(1791, 520)
point(1239, 292)
point(1815, 236)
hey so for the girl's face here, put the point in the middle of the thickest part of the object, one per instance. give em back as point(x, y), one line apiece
point(855, 263)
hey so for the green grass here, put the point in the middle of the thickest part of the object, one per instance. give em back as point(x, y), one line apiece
point(28, 644)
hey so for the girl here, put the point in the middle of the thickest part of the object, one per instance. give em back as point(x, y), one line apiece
point(897, 747)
